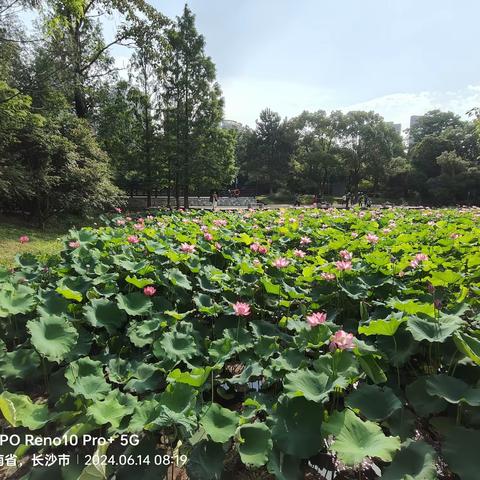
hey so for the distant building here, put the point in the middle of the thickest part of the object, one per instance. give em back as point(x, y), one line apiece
point(413, 121)
point(231, 125)
point(396, 126)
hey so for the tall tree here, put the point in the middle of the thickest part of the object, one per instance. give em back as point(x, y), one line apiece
point(192, 104)
point(77, 43)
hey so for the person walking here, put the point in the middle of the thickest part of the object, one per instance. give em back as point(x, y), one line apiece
point(214, 199)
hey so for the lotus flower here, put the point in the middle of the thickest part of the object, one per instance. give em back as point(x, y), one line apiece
point(120, 221)
point(241, 309)
point(371, 238)
point(342, 340)
point(118, 209)
point(218, 246)
point(74, 244)
point(343, 265)
point(208, 236)
point(345, 255)
point(139, 226)
point(24, 239)
point(299, 253)
point(421, 257)
point(329, 277)
point(305, 240)
point(316, 318)
point(262, 249)
point(149, 291)
point(187, 248)
point(254, 246)
point(281, 262)
point(132, 239)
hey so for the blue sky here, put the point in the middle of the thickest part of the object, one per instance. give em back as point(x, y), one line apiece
point(397, 57)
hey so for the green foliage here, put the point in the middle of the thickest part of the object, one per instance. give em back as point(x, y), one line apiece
point(267, 390)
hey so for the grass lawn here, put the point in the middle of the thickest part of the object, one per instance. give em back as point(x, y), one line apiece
point(41, 242)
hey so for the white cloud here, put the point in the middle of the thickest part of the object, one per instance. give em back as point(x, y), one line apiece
point(398, 107)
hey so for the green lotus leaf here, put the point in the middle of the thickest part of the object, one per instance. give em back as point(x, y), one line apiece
point(255, 444)
point(415, 461)
point(20, 411)
point(69, 294)
point(283, 467)
point(134, 303)
point(20, 364)
point(219, 423)
point(51, 304)
point(196, 378)
point(373, 370)
point(460, 449)
point(288, 359)
point(144, 415)
point(146, 377)
point(412, 307)
point(444, 278)
point(139, 282)
point(388, 326)
point(85, 377)
point(112, 408)
point(398, 348)
point(423, 403)
point(356, 440)
point(206, 461)
point(311, 385)
point(178, 279)
point(297, 428)
point(178, 397)
point(176, 345)
point(452, 389)
point(104, 313)
point(433, 330)
point(16, 300)
point(53, 336)
point(375, 403)
point(468, 345)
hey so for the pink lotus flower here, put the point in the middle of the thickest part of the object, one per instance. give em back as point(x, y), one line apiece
point(241, 309)
point(305, 240)
point(454, 235)
point(316, 318)
point(421, 257)
point(129, 219)
point(437, 303)
point(414, 263)
point(354, 234)
point(281, 262)
point(254, 246)
point(299, 253)
point(149, 291)
point(133, 239)
point(139, 226)
point(24, 239)
point(218, 246)
point(150, 218)
point(118, 209)
point(262, 249)
point(120, 221)
point(329, 277)
point(220, 222)
point(342, 340)
point(345, 255)
point(208, 236)
point(141, 220)
point(371, 238)
point(187, 248)
point(343, 265)
point(204, 228)
point(74, 244)
point(256, 262)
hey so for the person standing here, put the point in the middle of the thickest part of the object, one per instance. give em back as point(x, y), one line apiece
point(214, 199)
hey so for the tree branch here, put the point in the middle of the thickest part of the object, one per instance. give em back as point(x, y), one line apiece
point(97, 55)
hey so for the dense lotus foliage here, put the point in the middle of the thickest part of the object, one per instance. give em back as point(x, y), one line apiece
point(260, 344)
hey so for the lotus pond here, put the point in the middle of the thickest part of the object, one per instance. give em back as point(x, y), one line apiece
point(271, 344)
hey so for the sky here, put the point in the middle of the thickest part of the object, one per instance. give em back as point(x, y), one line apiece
point(396, 57)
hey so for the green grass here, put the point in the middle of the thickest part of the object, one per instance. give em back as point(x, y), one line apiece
point(41, 243)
